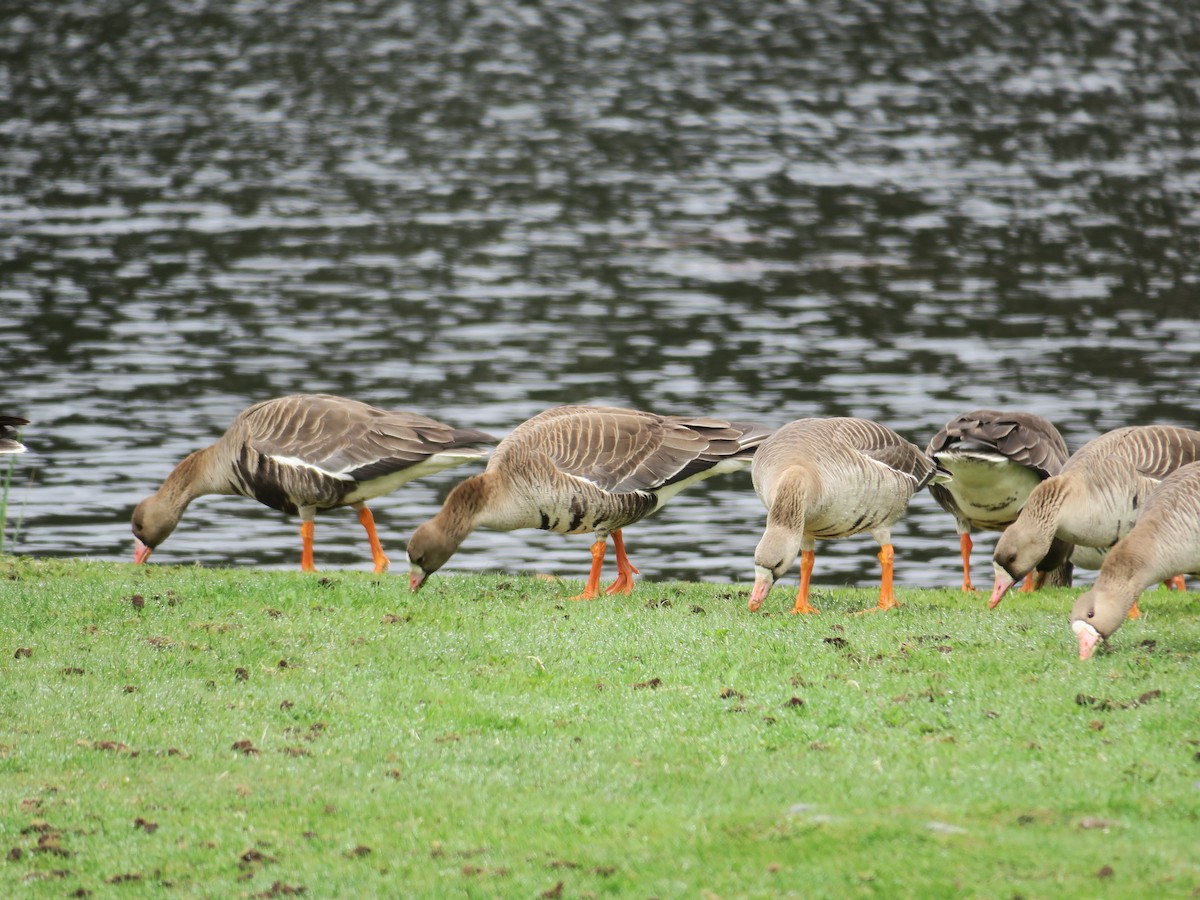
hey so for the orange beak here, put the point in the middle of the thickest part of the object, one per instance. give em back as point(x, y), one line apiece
point(140, 552)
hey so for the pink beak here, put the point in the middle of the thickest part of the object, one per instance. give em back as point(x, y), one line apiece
point(1087, 642)
point(762, 587)
point(140, 552)
point(999, 588)
point(416, 577)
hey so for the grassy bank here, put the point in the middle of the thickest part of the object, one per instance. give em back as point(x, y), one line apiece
point(244, 733)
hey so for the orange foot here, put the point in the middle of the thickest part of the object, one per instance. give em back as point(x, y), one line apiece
point(887, 597)
point(592, 588)
point(965, 546)
point(307, 529)
point(808, 559)
point(625, 569)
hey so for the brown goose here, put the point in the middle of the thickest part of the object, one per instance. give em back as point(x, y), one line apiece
point(1164, 540)
point(1095, 499)
point(9, 427)
point(304, 453)
point(831, 478)
point(579, 469)
point(995, 458)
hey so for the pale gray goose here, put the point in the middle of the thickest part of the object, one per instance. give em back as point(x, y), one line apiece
point(580, 469)
point(1165, 540)
point(304, 453)
point(995, 458)
point(831, 478)
point(1095, 499)
point(9, 428)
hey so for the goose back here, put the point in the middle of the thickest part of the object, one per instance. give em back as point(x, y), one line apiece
point(995, 457)
point(859, 475)
point(321, 451)
point(577, 469)
point(9, 426)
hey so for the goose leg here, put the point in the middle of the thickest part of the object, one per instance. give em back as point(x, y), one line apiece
point(307, 529)
point(593, 583)
point(808, 559)
point(1177, 583)
point(1134, 612)
point(965, 544)
point(887, 598)
point(368, 522)
point(1027, 585)
point(625, 569)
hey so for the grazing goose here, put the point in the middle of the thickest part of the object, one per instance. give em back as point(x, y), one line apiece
point(579, 469)
point(1095, 499)
point(9, 426)
point(831, 478)
point(1165, 540)
point(304, 453)
point(995, 458)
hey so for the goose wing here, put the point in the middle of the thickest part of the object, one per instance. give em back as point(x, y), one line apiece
point(9, 426)
point(348, 439)
point(624, 450)
point(1026, 439)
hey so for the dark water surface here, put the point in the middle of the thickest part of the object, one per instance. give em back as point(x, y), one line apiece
point(767, 210)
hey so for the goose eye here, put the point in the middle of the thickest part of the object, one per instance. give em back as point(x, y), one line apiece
point(1091, 613)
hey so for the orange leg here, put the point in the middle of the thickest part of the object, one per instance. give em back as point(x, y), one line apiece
point(593, 583)
point(1178, 583)
point(887, 598)
point(1134, 612)
point(306, 554)
point(1027, 585)
point(966, 545)
point(625, 569)
point(808, 559)
point(377, 554)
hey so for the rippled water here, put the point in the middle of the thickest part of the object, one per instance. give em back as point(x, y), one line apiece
point(477, 210)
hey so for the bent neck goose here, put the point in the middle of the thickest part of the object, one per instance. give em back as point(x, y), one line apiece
point(580, 469)
point(307, 452)
point(1165, 540)
point(995, 458)
point(9, 428)
point(831, 478)
point(1095, 499)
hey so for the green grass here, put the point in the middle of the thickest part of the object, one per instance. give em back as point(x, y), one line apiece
point(489, 738)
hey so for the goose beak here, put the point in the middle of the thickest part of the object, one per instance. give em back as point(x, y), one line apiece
point(1088, 638)
point(416, 577)
point(140, 552)
point(763, 583)
point(1000, 587)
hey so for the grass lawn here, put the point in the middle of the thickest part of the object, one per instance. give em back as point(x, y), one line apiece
point(221, 733)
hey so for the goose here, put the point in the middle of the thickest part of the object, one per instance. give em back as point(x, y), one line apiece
point(9, 428)
point(831, 478)
point(1095, 499)
point(581, 469)
point(308, 452)
point(1164, 540)
point(995, 458)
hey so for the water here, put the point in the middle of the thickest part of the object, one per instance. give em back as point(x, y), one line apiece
point(757, 209)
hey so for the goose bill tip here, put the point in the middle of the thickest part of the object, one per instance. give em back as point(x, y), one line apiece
point(1000, 587)
point(416, 578)
point(762, 587)
point(140, 552)
point(1088, 636)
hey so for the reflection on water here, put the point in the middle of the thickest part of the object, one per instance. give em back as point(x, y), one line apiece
point(478, 210)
